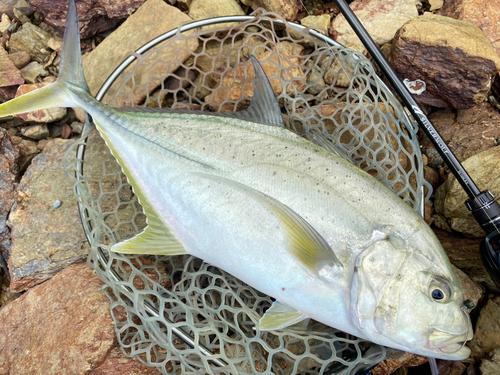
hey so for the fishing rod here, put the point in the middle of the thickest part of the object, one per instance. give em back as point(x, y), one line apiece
point(482, 204)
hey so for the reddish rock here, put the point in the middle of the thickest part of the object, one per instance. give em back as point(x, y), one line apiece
point(95, 15)
point(467, 132)
point(9, 171)
point(20, 59)
point(390, 365)
point(454, 59)
point(7, 7)
point(485, 14)
point(381, 18)
point(7, 93)
point(9, 74)
point(42, 115)
point(63, 326)
point(45, 239)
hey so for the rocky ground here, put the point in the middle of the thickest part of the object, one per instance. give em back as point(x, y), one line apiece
point(53, 317)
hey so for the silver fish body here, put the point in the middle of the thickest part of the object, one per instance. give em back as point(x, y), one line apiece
point(286, 216)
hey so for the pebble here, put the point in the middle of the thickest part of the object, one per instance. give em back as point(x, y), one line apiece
point(57, 204)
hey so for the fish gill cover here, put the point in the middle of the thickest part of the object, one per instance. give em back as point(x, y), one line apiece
point(325, 89)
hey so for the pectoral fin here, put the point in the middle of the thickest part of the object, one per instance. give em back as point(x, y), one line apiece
point(304, 242)
point(280, 316)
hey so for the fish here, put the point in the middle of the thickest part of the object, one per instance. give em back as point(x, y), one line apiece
point(294, 220)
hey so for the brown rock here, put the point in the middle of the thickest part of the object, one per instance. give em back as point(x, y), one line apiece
point(482, 13)
point(487, 332)
point(7, 93)
point(7, 7)
point(464, 254)
point(202, 9)
point(32, 39)
point(381, 18)
point(39, 131)
point(454, 59)
point(44, 239)
point(228, 90)
point(9, 73)
point(9, 171)
point(285, 8)
point(63, 326)
point(33, 72)
point(160, 18)
point(472, 291)
point(467, 132)
point(450, 197)
point(390, 365)
point(42, 115)
point(6, 295)
point(321, 22)
point(20, 59)
point(28, 150)
point(94, 16)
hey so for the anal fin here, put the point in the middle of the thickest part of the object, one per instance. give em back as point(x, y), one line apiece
point(280, 316)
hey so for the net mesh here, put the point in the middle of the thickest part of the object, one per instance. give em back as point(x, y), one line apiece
point(155, 301)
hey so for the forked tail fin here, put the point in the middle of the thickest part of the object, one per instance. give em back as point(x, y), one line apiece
point(70, 85)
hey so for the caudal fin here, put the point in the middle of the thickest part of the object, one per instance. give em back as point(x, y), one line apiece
point(71, 81)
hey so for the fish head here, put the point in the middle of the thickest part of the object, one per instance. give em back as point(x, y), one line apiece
point(407, 296)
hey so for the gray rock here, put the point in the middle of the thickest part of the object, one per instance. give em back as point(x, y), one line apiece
point(45, 240)
point(446, 54)
point(33, 72)
point(32, 39)
point(36, 131)
point(382, 19)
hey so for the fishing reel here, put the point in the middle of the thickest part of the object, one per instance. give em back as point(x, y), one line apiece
point(486, 211)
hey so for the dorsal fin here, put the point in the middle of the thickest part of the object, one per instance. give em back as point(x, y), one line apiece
point(264, 108)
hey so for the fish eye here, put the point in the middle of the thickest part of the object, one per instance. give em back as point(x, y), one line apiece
point(439, 290)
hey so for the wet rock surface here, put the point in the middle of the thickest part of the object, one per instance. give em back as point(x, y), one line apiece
point(45, 240)
point(83, 341)
point(454, 59)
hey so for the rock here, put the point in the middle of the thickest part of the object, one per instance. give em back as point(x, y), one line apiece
point(482, 13)
point(33, 72)
point(464, 254)
point(322, 22)
point(290, 62)
point(42, 115)
point(20, 59)
point(21, 16)
point(467, 132)
point(285, 8)
point(5, 23)
point(28, 151)
point(390, 365)
point(7, 93)
point(36, 131)
point(435, 4)
point(6, 295)
point(95, 16)
point(381, 18)
point(55, 43)
point(32, 39)
point(7, 7)
point(45, 240)
point(472, 291)
point(202, 9)
point(63, 326)
point(491, 364)
point(76, 127)
point(487, 332)
point(454, 59)
point(159, 18)
point(9, 73)
point(483, 169)
point(9, 172)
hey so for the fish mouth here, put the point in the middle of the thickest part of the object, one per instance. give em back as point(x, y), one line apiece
point(449, 343)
